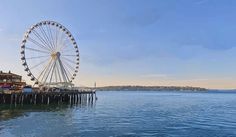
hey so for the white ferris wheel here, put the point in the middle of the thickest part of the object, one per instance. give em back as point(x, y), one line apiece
point(50, 55)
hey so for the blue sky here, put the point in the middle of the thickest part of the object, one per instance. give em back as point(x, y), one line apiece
point(137, 42)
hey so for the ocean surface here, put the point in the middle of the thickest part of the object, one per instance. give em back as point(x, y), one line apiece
point(127, 113)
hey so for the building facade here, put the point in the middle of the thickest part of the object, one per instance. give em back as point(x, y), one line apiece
point(11, 81)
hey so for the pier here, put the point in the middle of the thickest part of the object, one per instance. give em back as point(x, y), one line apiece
point(54, 67)
point(62, 97)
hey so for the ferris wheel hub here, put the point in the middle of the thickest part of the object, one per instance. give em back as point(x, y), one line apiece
point(56, 55)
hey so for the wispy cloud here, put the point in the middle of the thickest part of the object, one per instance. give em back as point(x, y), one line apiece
point(172, 78)
point(154, 76)
point(194, 79)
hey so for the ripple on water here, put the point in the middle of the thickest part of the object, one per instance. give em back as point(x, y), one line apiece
point(131, 114)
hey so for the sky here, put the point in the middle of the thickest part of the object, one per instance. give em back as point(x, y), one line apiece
point(134, 42)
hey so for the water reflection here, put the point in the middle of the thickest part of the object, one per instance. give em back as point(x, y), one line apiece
point(8, 111)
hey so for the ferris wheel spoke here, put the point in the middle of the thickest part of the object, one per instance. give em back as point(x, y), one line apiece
point(68, 72)
point(66, 75)
point(58, 40)
point(58, 71)
point(40, 63)
point(50, 36)
point(66, 78)
point(45, 68)
point(41, 39)
point(67, 51)
point(69, 75)
point(55, 38)
point(37, 57)
point(70, 55)
point(64, 45)
point(45, 37)
point(61, 37)
point(64, 41)
point(69, 60)
point(53, 68)
point(62, 71)
point(68, 65)
point(56, 35)
point(38, 44)
point(47, 72)
point(36, 50)
point(55, 75)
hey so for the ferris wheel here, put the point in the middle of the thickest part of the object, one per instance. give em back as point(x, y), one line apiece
point(50, 55)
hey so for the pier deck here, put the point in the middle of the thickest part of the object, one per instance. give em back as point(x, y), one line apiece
point(71, 97)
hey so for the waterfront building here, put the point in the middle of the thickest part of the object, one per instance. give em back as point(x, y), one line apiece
point(11, 81)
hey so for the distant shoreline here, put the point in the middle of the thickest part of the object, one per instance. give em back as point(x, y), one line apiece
point(150, 88)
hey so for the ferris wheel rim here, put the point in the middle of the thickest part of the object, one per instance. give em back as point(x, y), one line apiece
point(64, 30)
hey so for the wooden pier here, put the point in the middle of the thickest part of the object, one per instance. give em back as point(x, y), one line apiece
point(70, 97)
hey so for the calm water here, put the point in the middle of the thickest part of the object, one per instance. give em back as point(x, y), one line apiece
point(128, 114)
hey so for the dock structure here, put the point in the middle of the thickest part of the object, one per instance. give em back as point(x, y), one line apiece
point(70, 97)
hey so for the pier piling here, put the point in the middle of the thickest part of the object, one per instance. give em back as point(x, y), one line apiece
point(71, 97)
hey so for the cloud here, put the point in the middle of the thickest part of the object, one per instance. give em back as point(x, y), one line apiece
point(154, 76)
point(172, 77)
point(194, 79)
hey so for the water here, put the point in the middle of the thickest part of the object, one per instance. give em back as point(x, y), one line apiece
point(127, 114)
